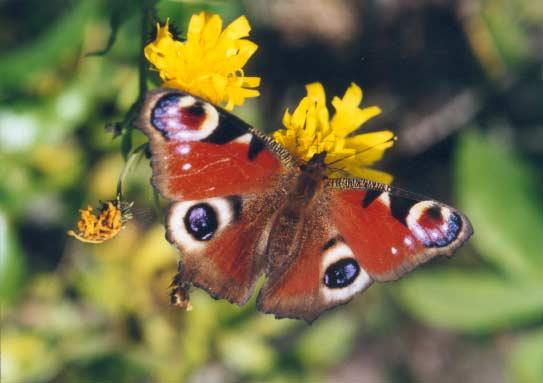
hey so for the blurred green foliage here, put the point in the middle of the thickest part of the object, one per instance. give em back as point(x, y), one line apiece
point(499, 192)
point(75, 312)
point(496, 208)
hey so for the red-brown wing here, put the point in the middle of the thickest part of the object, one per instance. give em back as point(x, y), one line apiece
point(224, 180)
point(199, 150)
point(392, 231)
point(355, 236)
point(323, 272)
point(223, 240)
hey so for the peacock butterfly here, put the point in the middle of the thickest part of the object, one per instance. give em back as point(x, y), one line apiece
point(243, 206)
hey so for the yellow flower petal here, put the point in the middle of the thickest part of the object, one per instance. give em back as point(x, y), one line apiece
point(209, 64)
point(309, 130)
point(196, 25)
point(211, 31)
point(382, 137)
point(315, 91)
point(371, 174)
point(252, 82)
point(237, 29)
point(349, 116)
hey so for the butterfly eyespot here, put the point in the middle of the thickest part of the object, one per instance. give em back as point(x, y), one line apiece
point(433, 225)
point(190, 224)
point(192, 116)
point(434, 213)
point(443, 238)
point(182, 117)
point(195, 110)
point(201, 221)
point(341, 273)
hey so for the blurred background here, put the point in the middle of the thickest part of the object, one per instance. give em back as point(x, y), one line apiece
point(461, 84)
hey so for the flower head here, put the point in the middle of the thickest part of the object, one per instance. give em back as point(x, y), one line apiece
point(209, 64)
point(107, 224)
point(310, 130)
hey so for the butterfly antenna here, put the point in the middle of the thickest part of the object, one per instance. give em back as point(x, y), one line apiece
point(340, 170)
point(316, 138)
point(393, 138)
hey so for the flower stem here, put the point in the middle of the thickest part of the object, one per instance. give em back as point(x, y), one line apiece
point(147, 13)
point(135, 155)
point(148, 10)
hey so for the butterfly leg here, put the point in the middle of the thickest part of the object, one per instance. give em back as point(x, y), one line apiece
point(179, 293)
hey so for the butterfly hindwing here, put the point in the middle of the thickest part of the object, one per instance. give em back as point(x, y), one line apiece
point(222, 240)
point(323, 272)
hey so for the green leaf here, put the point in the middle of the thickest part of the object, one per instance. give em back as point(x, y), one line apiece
point(120, 11)
point(246, 352)
point(12, 265)
point(327, 342)
point(476, 301)
point(48, 50)
point(498, 192)
point(14, 195)
point(508, 32)
point(27, 357)
point(526, 361)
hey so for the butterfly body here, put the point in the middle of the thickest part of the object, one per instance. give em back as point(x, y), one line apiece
point(287, 226)
point(243, 206)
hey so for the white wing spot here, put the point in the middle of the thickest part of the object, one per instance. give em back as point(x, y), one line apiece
point(245, 139)
point(384, 198)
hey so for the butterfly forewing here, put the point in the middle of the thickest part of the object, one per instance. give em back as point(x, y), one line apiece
point(200, 151)
point(392, 231)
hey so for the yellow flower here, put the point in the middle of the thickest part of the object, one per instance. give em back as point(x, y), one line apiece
point(309, 130)
point(104, 226)
point(209, 64)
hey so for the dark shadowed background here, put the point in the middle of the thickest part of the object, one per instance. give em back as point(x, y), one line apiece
point(460, 83)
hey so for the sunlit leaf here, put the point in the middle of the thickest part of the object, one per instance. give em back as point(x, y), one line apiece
point(327, 341)
point(508, 32)
point(26, 357)
point(472, 301)
point(498, 34)
point(246, 352)
point(200, 328)
point(497, 191)
point(526, 360)
point(12, 263)
point(15, 193)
